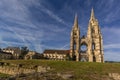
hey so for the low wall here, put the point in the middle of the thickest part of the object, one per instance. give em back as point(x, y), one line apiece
point(14, 69)
point(115, 76)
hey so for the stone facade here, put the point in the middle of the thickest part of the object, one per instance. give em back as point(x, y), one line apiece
point(15, 51)
point(92, 42)
point(4, 55)
point(30, 55)
point(56, 54)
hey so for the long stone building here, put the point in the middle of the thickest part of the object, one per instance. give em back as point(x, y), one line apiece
point(15, 51)
point(5, 55)
point(87, 48)
point(56, 54)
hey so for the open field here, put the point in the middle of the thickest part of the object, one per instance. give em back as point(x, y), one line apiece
point(79, 70)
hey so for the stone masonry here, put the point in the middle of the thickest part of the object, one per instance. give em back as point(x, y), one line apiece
point(92, 42)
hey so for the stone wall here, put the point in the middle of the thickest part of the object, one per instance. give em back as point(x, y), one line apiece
point(14, 69)
point(115, 76)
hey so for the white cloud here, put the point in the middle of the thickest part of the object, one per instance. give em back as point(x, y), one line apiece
point(112, 46)
point(66, 46)
point(111, 35)
point(31, 34)
point(112, 55)
point(17, 12)
point(111, 40)
point(52, 15)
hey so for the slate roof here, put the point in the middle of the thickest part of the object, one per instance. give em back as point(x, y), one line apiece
point(50, 51)
point(11, 48)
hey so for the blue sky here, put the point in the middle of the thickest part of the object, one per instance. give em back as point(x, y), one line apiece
point(46, 24)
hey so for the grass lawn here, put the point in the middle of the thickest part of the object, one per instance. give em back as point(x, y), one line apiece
point(80, 70)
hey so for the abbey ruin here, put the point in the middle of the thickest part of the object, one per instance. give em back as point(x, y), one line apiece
point(92, 42)
point(87, 48)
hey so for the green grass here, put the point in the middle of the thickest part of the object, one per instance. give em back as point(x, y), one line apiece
point(80, 70)
point(4, 75)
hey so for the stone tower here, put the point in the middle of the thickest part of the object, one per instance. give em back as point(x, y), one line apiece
point(90, 47)
point(75, 40)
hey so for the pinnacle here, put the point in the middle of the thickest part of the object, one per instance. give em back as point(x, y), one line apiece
point(92, 14)
point(76, 20)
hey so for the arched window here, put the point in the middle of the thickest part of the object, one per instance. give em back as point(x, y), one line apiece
point(74, 45)
point(83, 47)
point(93, 46)
point(75, 33)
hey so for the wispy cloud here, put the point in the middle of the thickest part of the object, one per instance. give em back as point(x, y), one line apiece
point(52, 15)
point(112, 55)
point(15, 16)
point(66, 46)
point(109, 46)
point(111, 33)
point(111, 40)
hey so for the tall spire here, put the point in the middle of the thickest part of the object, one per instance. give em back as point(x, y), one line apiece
point(92, 15)
point(76, 21)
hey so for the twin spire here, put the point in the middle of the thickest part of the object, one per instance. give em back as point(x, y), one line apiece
point(76, 18)
point(92, 15)
point(76, 21)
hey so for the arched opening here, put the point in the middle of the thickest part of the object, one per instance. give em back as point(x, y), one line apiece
point(93, 46)
point(83, 59)
point(83, 48)
point(74, 45)
point(75, 34)
point(74, 58)
point(94, 59)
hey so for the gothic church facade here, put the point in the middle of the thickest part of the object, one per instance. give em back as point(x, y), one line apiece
point(92, 42)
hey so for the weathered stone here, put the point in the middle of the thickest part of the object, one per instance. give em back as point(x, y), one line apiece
point(93, 42)
point(115, 76)
point(20, 69)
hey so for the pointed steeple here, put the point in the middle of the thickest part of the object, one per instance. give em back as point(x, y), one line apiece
point(76, 21)
point(92, 15)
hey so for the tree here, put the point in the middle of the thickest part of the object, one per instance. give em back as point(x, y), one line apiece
point(24, 51)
